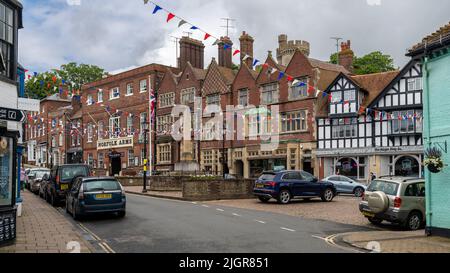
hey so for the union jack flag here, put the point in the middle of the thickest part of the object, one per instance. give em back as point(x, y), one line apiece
point(152, 104)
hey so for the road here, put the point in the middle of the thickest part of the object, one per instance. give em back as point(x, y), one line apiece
point(166, 226)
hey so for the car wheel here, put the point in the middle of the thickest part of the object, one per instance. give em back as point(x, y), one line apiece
point(121, 214)
point(263, 199)
point(53, 200)
point(414, 221)
point(74, 213)
point(284, 197)
point(327, 195)
point(375, 221)
point(358, 192)
point(67, 206)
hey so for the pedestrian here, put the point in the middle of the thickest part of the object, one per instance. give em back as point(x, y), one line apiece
point(372, 177)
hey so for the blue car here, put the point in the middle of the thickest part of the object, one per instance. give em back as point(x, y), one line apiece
point(95, 195)
point(287, 185)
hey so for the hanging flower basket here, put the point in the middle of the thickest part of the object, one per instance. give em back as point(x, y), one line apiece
point(433, 160)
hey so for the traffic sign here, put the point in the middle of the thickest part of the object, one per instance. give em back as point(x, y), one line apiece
point(12, 115)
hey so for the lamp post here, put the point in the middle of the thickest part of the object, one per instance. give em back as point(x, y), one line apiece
point(145, 125)
point(223, 148)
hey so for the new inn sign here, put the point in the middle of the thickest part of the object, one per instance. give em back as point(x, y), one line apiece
point(115, 143)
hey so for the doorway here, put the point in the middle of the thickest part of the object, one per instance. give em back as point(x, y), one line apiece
point(116, 166)
point(239, 168)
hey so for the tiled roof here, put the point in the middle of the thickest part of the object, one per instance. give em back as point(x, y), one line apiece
point(228, 74)
point(78, 114)
point(433, 39)
point(328, 66)
point(374, 84)
point(200, 74)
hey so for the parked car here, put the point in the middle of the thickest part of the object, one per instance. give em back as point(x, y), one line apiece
point(43, 186)
point(61, 180)
point(347, 185)
point(287, 185)
point(397, 200)
point(93, 195)
point(35, 178)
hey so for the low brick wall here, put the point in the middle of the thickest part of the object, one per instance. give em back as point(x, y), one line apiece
point(156, 183)
point(217, 189)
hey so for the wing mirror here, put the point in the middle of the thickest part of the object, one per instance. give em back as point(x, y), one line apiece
point(315, 180)
point(45, 177)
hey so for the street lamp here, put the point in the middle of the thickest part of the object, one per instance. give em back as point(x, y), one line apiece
point(223, 148)
point(145, 126)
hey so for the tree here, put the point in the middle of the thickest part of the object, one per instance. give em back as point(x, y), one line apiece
point(374, 62)
point(72, 76)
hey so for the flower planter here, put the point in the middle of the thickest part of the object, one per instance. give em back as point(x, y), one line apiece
point(434, 168)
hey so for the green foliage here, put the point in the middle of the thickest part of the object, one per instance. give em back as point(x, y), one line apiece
point(74, 76)
point(374, 62)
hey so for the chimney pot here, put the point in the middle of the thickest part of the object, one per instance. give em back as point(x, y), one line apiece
point(246, 49)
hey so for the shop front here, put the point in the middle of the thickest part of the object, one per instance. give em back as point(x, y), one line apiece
point(258, 166)
point(8, 166)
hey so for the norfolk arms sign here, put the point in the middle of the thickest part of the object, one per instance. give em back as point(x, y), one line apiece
point(115, 143)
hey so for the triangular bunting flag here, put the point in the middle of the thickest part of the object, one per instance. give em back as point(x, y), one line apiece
point(255, 62)
point(245, 57)
point(289, 78)
point(145, 2)
point(170, 16)
point(317, 93)
point(237, 51)
point(206, 36)
point(295, 82)
point(281, 75)
point(226, 46)
point(216, 42)
point(182, 22)
point(157, 8)
point(194, 28)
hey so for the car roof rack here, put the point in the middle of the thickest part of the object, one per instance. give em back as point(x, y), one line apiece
point(404, 179)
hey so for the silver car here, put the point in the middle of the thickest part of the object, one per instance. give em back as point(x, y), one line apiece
point(35, 178)
point(346, 185)
point(397, 200)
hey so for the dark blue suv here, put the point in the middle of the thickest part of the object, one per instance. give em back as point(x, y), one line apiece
point(287, 185)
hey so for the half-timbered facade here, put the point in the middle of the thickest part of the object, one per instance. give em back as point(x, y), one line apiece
point(373, 124)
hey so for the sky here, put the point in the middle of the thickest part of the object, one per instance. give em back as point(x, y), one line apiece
point(118, 35)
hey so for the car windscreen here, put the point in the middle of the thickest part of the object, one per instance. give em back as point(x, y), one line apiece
point(70, 172)
point(101, 185)
point(267, 177)
point(40, 174)
point(389, 188)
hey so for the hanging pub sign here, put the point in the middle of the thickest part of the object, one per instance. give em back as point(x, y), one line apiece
point(106, 144)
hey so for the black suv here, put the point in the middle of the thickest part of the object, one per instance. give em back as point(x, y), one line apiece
point(61, 179)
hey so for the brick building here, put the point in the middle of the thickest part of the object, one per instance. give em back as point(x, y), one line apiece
point(38, 130)
point(115, 110)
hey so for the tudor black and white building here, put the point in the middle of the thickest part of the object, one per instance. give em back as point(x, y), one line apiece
point(373, 123)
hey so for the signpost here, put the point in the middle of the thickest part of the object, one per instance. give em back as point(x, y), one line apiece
point(12, 115)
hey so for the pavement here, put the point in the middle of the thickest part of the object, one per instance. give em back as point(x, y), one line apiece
point(154, 225)
point(397, 242)
point(175, 195)
point(42, 229)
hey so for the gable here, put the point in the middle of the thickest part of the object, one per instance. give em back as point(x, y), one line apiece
point(214, 81)
point(264, 76)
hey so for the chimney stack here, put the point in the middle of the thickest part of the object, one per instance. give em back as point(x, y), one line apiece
point(247, 49)
point(225, 55)
point(346, 56)
point(192, 51)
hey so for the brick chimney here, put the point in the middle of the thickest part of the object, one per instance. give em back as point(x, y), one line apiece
point(247, 48)
point(192, 51)
point(225, 55)
point(346, 56)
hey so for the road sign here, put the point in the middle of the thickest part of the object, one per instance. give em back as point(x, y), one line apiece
point(12, 115)
point(28, 104)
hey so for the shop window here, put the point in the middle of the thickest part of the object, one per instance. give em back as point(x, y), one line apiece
point(407, 166)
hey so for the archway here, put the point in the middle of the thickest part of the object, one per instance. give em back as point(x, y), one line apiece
point(239, 168)
point(347, 167)
point(407, 166)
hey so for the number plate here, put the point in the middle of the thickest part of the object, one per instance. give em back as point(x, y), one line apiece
point(259, 186)
point(368, 214)
point(103, 196)
point(64, 187)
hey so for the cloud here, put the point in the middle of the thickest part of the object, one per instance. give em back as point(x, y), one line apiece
point(117, 34)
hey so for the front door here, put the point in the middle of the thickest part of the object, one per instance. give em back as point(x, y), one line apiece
point(116, 166)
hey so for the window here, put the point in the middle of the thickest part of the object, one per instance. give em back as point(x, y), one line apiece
point(213, 99)
point(404, 122)
point(299, 90)
point(164, 153)
point(101, 129)
point(350, 95)
point(90, 100)
point(115, 93)
point(7, 39)
point(90, 132)
point(269, 93)
point(114, 126)
point(129, 89)
point(53, 141)
point(101, 161)
point(243, 97)
point(130, 130)
point(72, 140)
point(415, 84)
point(166, 100)
point(336, 97)
point(143, 86)
point(258, 125)
point(61, 140)
point(345, 128)
point(90, 160)
point(100, 95)
point(187, 95)
point(130, 158)
point(164, 124)
point(78, 139)
point(292, 122)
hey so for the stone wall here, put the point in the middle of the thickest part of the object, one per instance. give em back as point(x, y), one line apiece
point(217, 190)
point(156, 183)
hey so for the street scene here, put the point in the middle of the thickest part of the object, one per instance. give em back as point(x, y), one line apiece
point(198, 127)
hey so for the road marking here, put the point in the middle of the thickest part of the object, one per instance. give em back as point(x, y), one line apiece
point(220, 210)
point(237, 215)
point(205, 206)
point(195, 203)
point(109, 248)
point(320, 238)
point(330, 240)
point(261, 222)
point(90, 232)
point(287, 229)
point(103, 247)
